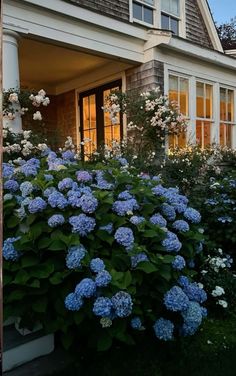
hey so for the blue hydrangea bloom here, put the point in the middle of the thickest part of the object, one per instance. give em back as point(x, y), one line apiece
point(192, 215)
point(68, 155)
point(86, 288)
point(56, 220)
point(124, 236)
point(49, 191)
point(204, 312)
point(88, 203)
point(178, 263)
point(21, 213)
point(176, 300)
point(101, 181)
point(97, 265)
point(157, 219)
point(164, 329)
point(183, 281)
point(73, 302)
point(83, 176)
point(37, 205)
point(159, 190)
point(7, 197)
point(191, 264)
point(194, 292)
point(181, 225)
point(102, 307)
point(125, 195)
point(74, 198)
point(29, 169)
point(136, 323)
point(11, 185)
point(137, 220)
point(136, 259)
point(7, 170)
point(122, 304)
point(48, 177)
point(122, 207)
point(168, 211)
point(26, 188)
point(192, 318)
point(171, 243)
point(74, 256)
point(57, 200)
point(82, 224)
point(8, 251)
point(65, 183)
point(108, 228)
point(123, 161)
point(103, 278)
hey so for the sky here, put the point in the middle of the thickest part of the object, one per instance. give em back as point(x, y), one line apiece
point(222, 10)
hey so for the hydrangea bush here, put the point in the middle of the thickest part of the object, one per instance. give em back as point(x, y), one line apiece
point(101, 253)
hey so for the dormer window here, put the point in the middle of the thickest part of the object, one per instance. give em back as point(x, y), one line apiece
point(170, 15)
point(143, 11)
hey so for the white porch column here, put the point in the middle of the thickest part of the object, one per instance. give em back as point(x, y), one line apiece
point(11, 78)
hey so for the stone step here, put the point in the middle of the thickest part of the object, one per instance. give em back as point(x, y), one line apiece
point(18, 349)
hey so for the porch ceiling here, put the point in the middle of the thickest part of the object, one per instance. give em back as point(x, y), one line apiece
point(47, 65)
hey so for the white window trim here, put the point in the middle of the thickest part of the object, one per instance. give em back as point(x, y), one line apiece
point(233, 122)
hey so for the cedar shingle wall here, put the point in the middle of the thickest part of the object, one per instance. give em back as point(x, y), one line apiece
point(195, 27)
point(118, 9)
point(145, 77)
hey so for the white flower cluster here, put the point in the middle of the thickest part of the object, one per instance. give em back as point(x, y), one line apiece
point(38, 100)
point(113, 107)
point(219, 262)
point(219, 291)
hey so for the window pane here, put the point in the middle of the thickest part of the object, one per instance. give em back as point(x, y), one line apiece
point(223, 104)
point(165, 5)
point(183, 96)
point(150, 2)
point(137, 11)
point(174, 7)
point(200, 99)
point(173, 88)
point(174, 26)
point(148, 15)
point(89, 112)
point(230, 105)
point(203, 133)
point(165, 22)
point(208, 101)
point(226, 135)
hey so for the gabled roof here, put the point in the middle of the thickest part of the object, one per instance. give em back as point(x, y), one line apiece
point(210, 24)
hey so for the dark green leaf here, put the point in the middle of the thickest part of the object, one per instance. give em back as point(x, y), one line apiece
point(104, 341)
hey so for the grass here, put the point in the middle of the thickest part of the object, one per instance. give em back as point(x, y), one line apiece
point(210, 353)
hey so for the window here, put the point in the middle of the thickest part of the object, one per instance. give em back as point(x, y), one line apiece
point(226, 116)
point(143, 10)
point(95, 124)
point(170, 15)
point(204, 109)
point(179, 92)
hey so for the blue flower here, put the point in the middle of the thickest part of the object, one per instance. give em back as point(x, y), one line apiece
point(192, 215)
point(122, 161)
point(137, 220)
point(199, 247)
point(11, 185)
point(97, 265)
point(101, 182)
point(75, 256)
point(57, 200)
point(86, 288)
point(164, 329)
point(211, 202)
point(194, 292)
point(37, 205)
point(8, 251)
point(178, 263)
point(168, 211)
point(26, 188)
point(83, 176)
point(7, 197)
point(225, 219)
point(74, 198)
point(136, 259)
point(7, 170)
point(122, 207)
point(65, 183)
point(103, 278)
point(56, 220)
point(192, 318)
point(82, 224)
point(49, 191)
point(181, 225)
point(171, 242)
point(176, 300)
point(48, 177)
point(157, 219)
point(204, 312)
point(88, 203)
point(159, 190)
point(125, 195)
point(73, 302)
point(108, 228)
point(124, 236)
point(102, 307)
point(136, 323)
point(122, 304)
point(29, 169)
point(183, 281)
point(68, 155)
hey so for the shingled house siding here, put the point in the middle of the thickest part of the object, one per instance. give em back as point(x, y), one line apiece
point(145, 77)
point(118, 9)
point(195, 27)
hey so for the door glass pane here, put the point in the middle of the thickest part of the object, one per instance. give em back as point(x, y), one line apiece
point(174, 26)
point(230, 105)
point(111, 130)
point(184, 96)
point(165, 22)
point(137, 11)
point(200, 99)
point(208, 101)
point(223, 104)
point(89, 124)
point(148, 15)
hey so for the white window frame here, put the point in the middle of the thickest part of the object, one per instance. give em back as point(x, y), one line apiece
point(145, 4)
point(233, 122)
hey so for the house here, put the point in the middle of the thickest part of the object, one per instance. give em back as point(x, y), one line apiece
point(78, 50)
